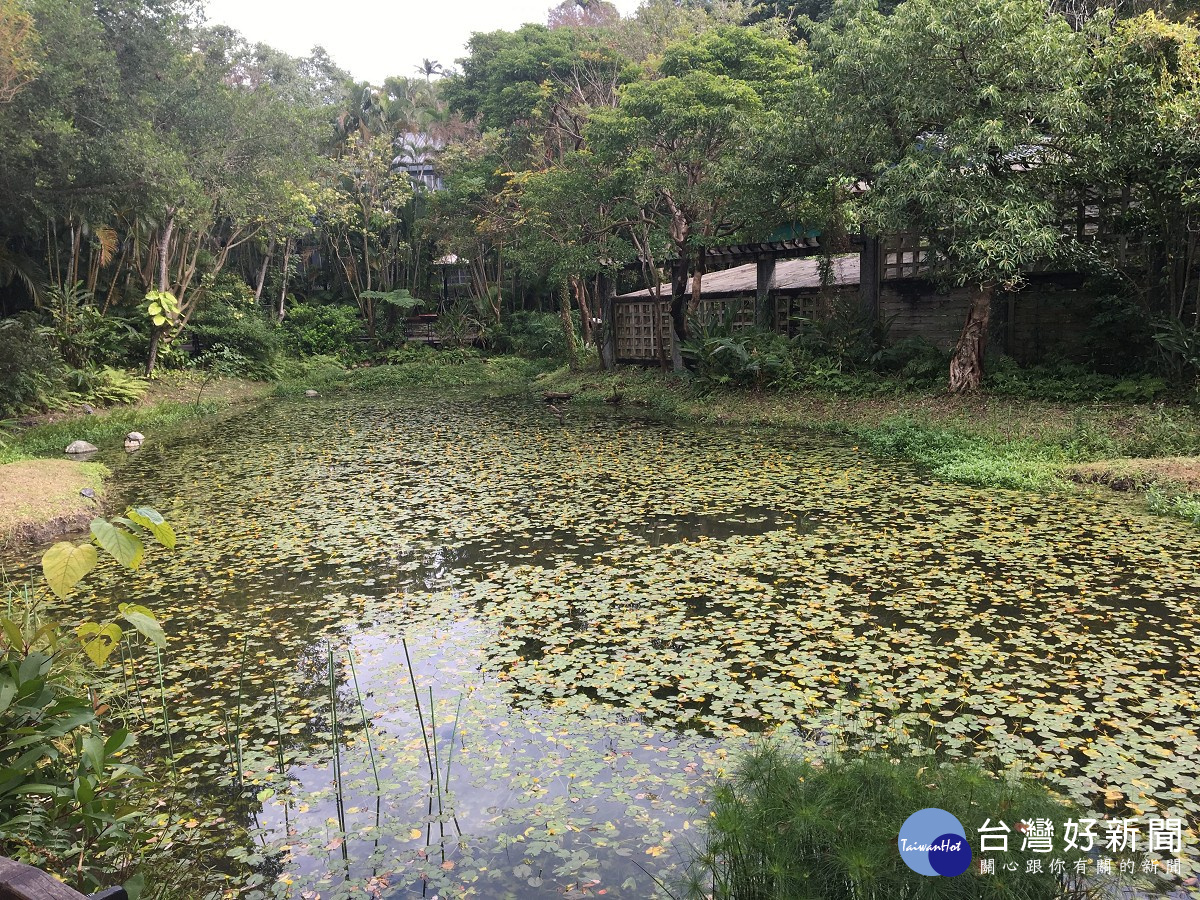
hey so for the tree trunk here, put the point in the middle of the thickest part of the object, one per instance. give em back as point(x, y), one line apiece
point(697, 283)
point(283, 277)
point(564, 314)
point(164, 284)
point(679, 305)
point(262, 271)
point(585, 312)
point(966, 365)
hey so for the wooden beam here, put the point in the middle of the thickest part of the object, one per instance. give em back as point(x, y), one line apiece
point(764, 311)
point(870, 264)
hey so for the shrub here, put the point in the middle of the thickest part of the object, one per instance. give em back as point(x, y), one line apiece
point(1067, 383)
point(85, 336)
point(230, 325)
point(848, 335)
point(31, 369)
point(916, 361)
point(533, 335)
point(784, 829)
point(321, 330)
point(1165, 501)
point(67, 794)
point(106, 385)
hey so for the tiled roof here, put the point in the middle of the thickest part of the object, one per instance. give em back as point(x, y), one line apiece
point(790, 275)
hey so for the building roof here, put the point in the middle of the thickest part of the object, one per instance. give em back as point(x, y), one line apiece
point(791, 276)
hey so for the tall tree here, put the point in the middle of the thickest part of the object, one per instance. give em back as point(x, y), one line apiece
point(956, 112)
point(689, 136)
point(18, 39)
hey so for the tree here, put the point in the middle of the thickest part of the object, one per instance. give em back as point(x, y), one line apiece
point(956, 112)
point(18, 41)
point(583, 14)
point(687, 138)
point(1136, 158)
point(359, 208)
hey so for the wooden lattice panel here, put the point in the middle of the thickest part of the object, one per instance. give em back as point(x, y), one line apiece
point(905, 256)
point(636, 336)
point(789, 310)
point(714, 311)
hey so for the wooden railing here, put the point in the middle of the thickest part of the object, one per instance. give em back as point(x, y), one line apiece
point(21, 882)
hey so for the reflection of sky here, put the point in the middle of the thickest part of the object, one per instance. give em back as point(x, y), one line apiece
point(351, 520)
point(511, 772)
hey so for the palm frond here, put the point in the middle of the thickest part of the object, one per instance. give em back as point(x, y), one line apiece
point(16, 266)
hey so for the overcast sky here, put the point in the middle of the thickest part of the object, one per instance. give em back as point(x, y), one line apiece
point(374, 38)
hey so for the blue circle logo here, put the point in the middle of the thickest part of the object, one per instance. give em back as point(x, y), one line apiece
point(933, 842)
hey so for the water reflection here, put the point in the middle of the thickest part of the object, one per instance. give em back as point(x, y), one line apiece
point(602, 611)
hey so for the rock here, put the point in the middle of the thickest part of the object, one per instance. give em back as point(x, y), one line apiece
point(77, 447)
point(90, 493)
point(131, 446)
point(87, 410)
point(311, 393)
point(136, 436)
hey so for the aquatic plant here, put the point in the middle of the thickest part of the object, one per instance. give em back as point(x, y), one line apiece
point(785, 828)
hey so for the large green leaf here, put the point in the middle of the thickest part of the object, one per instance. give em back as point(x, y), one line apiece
point(99, 641)
point(152, 520)
point(66, 564)
point(124, 547)
point(145, 622)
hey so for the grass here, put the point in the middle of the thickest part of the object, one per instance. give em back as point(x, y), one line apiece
point(982, 440)
point(42, 496)
point(785, 827)
point(418, 366)
point(39, 488)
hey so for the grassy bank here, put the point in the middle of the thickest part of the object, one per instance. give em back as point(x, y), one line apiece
point(171, 400)
point(416, 366)
point(983, 440)
point(39, 487)
point(41, 498)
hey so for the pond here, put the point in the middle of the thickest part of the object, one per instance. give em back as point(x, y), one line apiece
point(443, 645)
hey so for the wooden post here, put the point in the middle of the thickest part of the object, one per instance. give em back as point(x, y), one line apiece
point(608, 325)
point(764, 311)
point(869, 273)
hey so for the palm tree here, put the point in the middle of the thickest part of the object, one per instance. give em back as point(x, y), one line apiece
point(429, 68)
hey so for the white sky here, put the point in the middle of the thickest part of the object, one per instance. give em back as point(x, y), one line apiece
point(373, 39)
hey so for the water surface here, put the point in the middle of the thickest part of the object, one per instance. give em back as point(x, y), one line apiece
point(596, 615)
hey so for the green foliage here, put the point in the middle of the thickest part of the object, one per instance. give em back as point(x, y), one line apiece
point(1068, 383)
point(1162, 430)
point(535, 335)
point(31, 370)
point(65, 789)
point(747, 358)
point(83, 334)
point(67, 794)
point(846, 335)
point(321, 330)
point(106, 385)
point(49, 440)
point(162, 308)
point(234, 332)
point(1179, 347)
point(968, 459)
point(784, 827)
point(1177, 504)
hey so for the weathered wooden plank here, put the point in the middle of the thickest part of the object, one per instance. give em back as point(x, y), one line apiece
point(21, 882)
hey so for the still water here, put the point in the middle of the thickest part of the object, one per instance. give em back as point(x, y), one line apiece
point(433, 645)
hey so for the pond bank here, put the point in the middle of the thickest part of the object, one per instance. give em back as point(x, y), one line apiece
point(982, 440)
point(42, 498)
point(40, 495)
